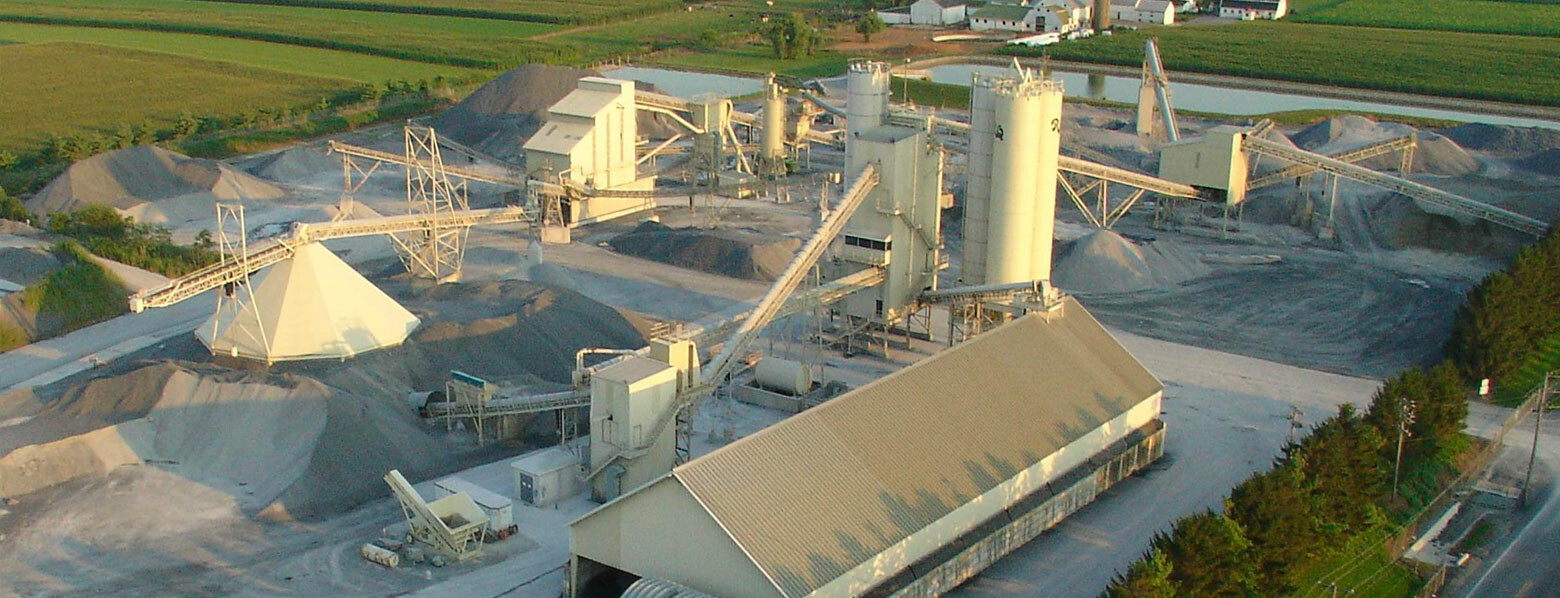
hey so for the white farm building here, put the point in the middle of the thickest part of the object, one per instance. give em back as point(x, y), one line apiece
point(907, 486)
point(1251, 10)
point(1002, 17)
point(1159, 12)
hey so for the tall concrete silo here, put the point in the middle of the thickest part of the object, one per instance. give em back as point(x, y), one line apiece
point(867, 107)
point(977, 186)
point(772, 154)
point(1044, 229)
point(1101, 14)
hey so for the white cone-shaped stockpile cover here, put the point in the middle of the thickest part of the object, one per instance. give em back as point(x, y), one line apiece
point(312, 306)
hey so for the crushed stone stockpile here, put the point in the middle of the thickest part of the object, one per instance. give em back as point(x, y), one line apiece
point(1546, 162)
point(1504, 139)
point(1436, 154)
point(509, 330)
point(281, 445)
point(1106, 262)
point(151, 184)
point(501, 115)
point(728, 253)
point(294, 164)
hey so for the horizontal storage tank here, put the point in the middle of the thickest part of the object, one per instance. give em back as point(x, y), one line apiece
point(783, 376)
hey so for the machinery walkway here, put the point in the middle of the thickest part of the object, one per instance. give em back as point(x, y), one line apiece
point(1454, 204)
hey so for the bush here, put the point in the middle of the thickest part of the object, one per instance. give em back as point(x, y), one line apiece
point(104, 232)
point(80, 293)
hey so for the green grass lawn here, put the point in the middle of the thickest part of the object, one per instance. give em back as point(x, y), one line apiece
point(1475, 16)
point(106, 87)
point(442, 39)
point(312, 62)
point(1362, 566)
point(1482, 66)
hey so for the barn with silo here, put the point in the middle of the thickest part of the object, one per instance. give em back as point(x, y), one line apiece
point(905, 487)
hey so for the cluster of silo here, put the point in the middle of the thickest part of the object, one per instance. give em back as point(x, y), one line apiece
point(1010, 196)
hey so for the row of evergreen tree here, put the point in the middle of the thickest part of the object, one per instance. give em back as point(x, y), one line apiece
point(1333, 489)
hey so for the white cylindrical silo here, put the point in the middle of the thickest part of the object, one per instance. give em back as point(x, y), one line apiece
point(1014, 180)
point(867, 86)
point(977, 182)
point(1045, 179)
point(773, 134)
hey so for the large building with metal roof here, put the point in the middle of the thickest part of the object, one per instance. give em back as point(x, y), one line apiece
point(907, 486)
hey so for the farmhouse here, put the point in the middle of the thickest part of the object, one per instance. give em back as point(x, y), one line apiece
point(907, 486)
point(1061, 16)
point(1158, 12)
point(1002, 17)
point(1251, 10)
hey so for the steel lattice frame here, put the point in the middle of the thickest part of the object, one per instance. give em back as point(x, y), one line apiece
point(238, 296)
point(435, 252)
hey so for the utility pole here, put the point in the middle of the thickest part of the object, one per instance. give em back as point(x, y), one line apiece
point(1405, 419)
point(1543, 400)
point(1294, 423)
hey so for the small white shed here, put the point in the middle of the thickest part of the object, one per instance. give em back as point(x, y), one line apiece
point(545, 477)
point(500, 510)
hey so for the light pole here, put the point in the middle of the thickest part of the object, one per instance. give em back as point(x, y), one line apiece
point(1405, 419)
point(1543, 400)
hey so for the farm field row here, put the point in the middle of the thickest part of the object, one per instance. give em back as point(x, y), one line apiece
point(311, 62)
point(437, 39)
point(107, 87)
point(1480, 66)
point(1472, 16)
point(548, 11)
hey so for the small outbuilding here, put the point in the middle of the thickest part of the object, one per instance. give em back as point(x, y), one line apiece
point(545, 477)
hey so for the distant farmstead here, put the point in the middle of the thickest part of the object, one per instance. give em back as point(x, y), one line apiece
point(1251, 10)
point(936, 13)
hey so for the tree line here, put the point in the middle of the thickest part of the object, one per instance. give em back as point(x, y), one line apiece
point(1334, 487)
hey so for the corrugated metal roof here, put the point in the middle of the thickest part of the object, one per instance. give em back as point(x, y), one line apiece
point(1004, 12)
point(584, 102)
point(631, 369)
point(814, 496)
point(558, 137)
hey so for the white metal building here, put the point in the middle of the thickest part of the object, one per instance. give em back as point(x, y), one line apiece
point(627, 400)
point(312, 306)
point(1001, 17)
point(937, 12)
point(545, 477)
point(1159, 12)
point(1063, 16)
point(907, 486)
point(589, 141)
point(1251, 10)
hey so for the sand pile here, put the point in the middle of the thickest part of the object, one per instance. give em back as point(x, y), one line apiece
point(1106, 262)
point(293, 164)
point(501, 115)
point(151, 184)
point(729, 253)
point(1435, 155)
point(283, 443)
point(1503, 139)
